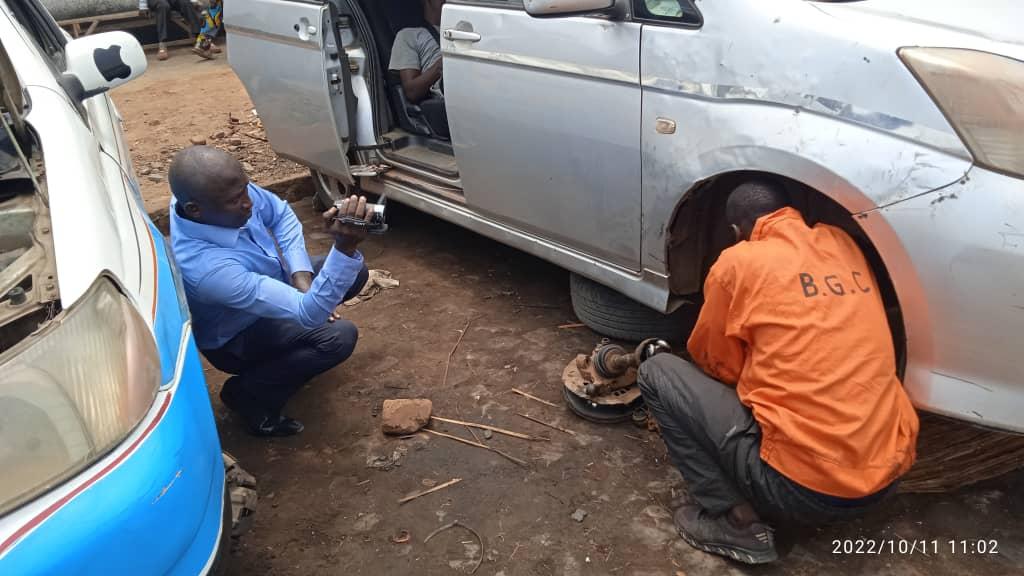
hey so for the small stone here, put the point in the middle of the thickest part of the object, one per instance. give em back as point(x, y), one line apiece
point(579, 515)
point(271, 495)
point(154, 122)
point(219, 135)
point(488, 434)
point(197, 140)
point(235, 141)
point(248, 167)
point(405, 416)
point(428, 482)
point(146, 171)
point(155, 178)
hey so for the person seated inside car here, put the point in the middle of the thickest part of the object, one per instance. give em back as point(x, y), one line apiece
point(416, 56)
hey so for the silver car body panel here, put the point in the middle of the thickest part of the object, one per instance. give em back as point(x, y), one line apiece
point(546, 139)
point(577, 138)
point(956, 258)
point(282, 51)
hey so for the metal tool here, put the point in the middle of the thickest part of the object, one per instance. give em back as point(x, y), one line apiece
point(601, 387)
point(375, 223)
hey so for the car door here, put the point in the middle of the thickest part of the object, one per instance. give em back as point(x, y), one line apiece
point(289, 56)
point(545, 123)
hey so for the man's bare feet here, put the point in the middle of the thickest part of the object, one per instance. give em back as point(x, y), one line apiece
point(161, 53)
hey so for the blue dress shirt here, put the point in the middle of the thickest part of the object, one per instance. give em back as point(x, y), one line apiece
point(235, 276)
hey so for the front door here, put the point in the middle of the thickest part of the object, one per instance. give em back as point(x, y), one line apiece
point(289, 56)
point(545, 122)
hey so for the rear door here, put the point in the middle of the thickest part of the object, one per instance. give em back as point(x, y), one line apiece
point(545, 122)
point(289, 56)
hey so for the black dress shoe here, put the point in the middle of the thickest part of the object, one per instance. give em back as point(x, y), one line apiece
point(277, 426)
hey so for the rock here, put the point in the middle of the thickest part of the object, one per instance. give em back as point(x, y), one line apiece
point(429, 482)
point(487, 434)
point(248, 167)
point(219, 135)
point(235, 141)
point(146, 171)
point(155, 178)
point(405, 416)
point(579, 515)
point(197, 140)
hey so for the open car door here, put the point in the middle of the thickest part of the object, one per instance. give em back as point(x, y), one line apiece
point(289, 55)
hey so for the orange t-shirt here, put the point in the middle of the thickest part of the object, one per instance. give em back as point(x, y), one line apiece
point(793, 318)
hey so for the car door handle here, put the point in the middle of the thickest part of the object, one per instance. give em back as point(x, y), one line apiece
point(453, 34)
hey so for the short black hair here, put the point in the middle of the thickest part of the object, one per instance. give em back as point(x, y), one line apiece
point(197, 172)
point(753, 199)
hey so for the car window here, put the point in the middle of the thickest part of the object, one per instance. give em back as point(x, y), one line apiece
point(41, 29)
point(681, 12)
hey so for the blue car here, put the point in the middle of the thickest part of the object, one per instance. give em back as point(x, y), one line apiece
point(108, 448)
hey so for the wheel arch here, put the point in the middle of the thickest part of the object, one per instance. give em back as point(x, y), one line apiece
point(695, 236)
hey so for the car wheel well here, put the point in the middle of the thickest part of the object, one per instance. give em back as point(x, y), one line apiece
point(697, 235)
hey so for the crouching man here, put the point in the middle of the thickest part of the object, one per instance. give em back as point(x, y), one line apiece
point(793, 412)
point(260, 308)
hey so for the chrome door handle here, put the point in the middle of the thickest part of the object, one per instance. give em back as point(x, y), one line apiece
point(453, 34)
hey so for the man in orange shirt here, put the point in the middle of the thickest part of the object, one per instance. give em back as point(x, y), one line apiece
point(793, 412)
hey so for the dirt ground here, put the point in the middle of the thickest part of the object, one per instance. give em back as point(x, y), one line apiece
point(329, 497)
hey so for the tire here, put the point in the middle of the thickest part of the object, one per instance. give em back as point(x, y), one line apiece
point(323, 195)
point(611, 314)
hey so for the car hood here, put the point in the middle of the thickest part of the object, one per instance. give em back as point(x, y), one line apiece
point(998, 21)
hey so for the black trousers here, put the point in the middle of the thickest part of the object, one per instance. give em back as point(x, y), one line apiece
point(715, 442)
point(162, 12)
point(272, 359)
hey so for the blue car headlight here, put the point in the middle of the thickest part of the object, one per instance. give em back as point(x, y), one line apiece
point(73, 391)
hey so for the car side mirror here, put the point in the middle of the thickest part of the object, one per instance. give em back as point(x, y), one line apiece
point(99, 62)
point(556, 8)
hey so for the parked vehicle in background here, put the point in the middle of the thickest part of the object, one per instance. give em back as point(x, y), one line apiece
point(108, 446)
point(604, 136)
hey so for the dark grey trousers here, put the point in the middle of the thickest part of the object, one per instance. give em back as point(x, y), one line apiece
point(715, 442)
point(162, 13)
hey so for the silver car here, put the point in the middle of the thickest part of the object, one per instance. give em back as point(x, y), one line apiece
point(604, 135)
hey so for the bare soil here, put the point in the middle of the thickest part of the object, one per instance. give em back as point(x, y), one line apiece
point(329, 497)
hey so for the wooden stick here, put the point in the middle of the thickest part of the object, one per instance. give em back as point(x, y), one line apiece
point(559, 428)
point(573, 325)
point(434, 489)
point(448, 364)
point(478, 445)
point(532, 397)
point(255, 136)
point(486, 427)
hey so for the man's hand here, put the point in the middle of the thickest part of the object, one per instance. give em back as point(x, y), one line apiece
point(347, 237)
point(302, 281)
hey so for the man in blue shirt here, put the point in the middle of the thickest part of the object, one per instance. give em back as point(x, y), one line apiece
point(258, 310)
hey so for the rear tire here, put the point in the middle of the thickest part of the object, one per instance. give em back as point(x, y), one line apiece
point(611, 314)
point(326, 190)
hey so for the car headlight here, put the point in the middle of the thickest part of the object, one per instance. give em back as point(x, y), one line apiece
point(982, 96)
point(73, 391)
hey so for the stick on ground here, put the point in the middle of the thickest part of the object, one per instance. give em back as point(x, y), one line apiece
point(491, 428)
point(448, 364)
point(543, 423)
point(478, 445)
point(434, 489)
point(532, 397)
point(474, 532)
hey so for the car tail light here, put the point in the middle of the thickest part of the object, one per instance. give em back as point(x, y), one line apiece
point(73, 391)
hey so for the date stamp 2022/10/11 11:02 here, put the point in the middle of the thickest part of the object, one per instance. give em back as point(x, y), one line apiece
point(899, 546)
